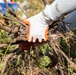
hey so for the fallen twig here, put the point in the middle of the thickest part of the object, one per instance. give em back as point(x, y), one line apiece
point(3, 45)
point(8, 29)
point(55, 46)
point(5, 62)
point(44, 2)
point(7, 59)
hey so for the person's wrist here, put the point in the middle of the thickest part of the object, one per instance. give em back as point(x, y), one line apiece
point(47, 19)
point(44, 15)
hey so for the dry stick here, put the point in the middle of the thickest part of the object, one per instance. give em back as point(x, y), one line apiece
point(15, 42)
point(19, 20)
point(8, 9)
point(44, 2)
point(5, 62)
point(12, 13)
point(7, 59)
point(13, 31)
point(6, 4)
point(57, 49)
point(3, 45)
point(72, 64)
point(8, 29)
point(14, 20)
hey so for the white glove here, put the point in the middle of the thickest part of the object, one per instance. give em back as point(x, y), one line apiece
point(38, 28)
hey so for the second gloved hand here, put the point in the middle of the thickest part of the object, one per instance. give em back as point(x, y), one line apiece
point(38, 28)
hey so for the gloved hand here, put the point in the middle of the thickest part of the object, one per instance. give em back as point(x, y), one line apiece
point(38, 28)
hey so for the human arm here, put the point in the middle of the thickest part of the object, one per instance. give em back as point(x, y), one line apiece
point(38, 24)
point(59, 8)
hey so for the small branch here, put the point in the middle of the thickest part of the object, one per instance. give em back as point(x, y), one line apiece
point(5, 62)
point(3, 45)
point(5, 28)
point(12, 13)
point(6, 4)
point(44, 2)
point(7, 58)
point(19, 21)
point(56, 48)
point(8, 10)
point(72, 64)
point(16, 41)
point(8, 29)
point(21, 39)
